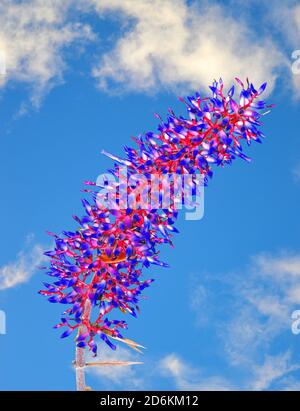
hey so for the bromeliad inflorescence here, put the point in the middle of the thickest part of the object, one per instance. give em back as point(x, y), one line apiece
point(98, 267)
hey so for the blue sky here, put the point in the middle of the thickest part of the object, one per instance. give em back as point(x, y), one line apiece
point(220, 316)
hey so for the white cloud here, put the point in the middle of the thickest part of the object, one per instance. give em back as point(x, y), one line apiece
point(189, 378)
point(33, 35)
point(244, 336)
point(281, 275)
point(173, 365)
point(168, 44)
point(265, 296)
point(171, 44)
point(254, 317)
point(198, 296)
point(276, 369)
point(284, 17)
point(21, 270)
point(279, 267)
point(272, 370)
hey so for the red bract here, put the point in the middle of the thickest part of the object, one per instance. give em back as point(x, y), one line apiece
point(99, 266)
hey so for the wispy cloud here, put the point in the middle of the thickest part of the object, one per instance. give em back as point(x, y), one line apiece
point(190, 378)
point(33, 35)
point(279, 268)
point(272, 370)
point(255, 314)
point(266, 296)
point(275, 370)
point(21, 270)
point(283, 18)
point(175, 44)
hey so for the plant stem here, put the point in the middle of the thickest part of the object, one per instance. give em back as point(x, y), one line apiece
point(80, 352)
